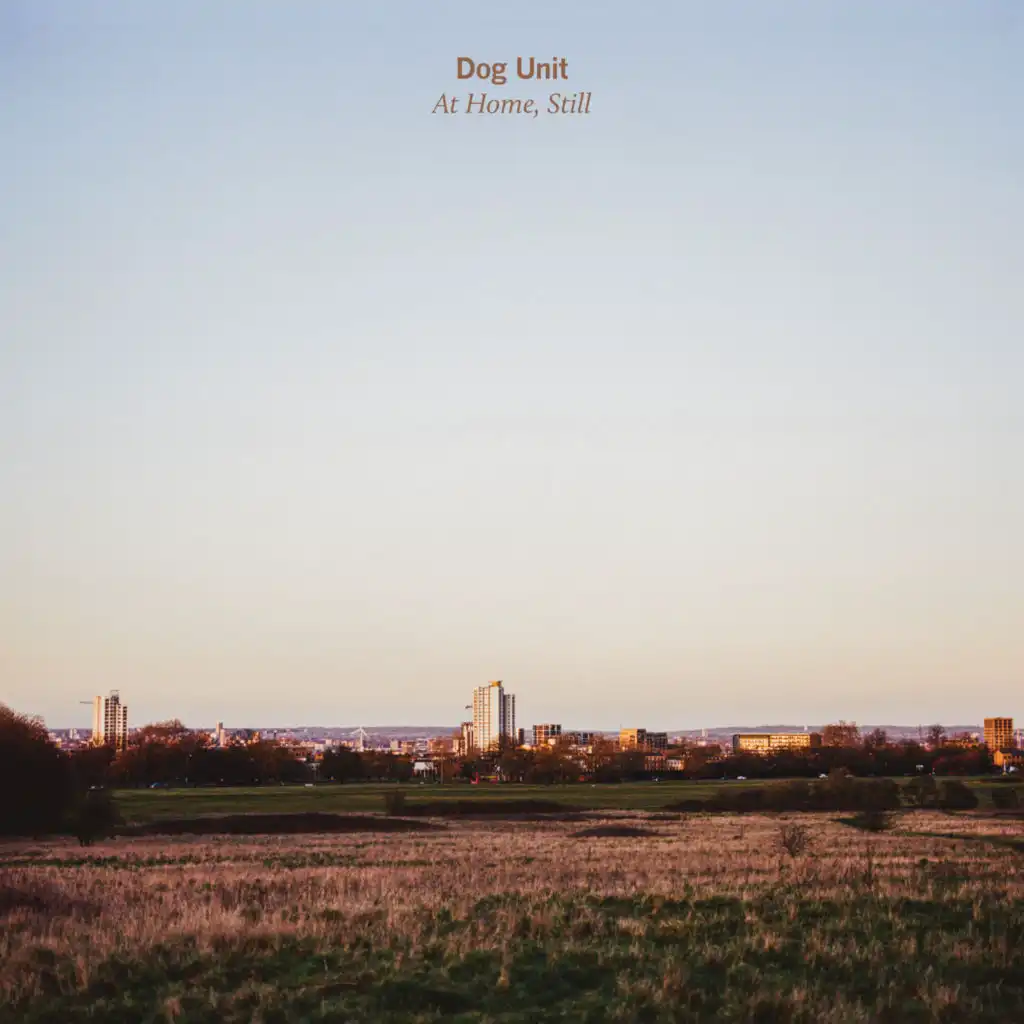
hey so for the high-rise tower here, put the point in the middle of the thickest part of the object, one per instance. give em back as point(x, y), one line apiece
point(110, 721)
point(494, 716)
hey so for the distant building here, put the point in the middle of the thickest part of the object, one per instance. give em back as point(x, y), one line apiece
point(999, 733)
point(494, 717)
point(579, 740)
point(110, 721)
point(544, 735)
point(641, 739)
point(966, 740)
point(773, 742)
point(657, 741)
point(632, 739)
point(1008, 759)
point(467, 742)
point(440, 745)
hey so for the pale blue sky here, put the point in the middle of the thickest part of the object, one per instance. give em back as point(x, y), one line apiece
point(702, 408)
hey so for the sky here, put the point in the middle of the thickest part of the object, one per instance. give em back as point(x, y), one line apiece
point(701, 408)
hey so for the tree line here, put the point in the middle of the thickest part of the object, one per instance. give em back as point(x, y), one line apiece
point(45, 787)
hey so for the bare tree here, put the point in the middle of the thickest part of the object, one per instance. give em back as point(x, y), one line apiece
point(840, 734)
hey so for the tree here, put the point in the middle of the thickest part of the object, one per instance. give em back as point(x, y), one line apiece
point(172, 731)
point(877, 739)
point(36, 785)
point(600, 761)
point(936, 736)
point(514, 763)
point(341, 764)
point(840, 734)
point(91, 766)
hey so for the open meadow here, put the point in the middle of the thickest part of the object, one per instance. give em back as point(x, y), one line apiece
point(613, 916)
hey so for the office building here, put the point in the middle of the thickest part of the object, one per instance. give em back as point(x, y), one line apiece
point(657, 742)
point(774, 742)
point(999, 733)
point(632, 739)
point(579, 740)
point(547, 734)
point(641, 739)
point(494, 717)
point(110, 721)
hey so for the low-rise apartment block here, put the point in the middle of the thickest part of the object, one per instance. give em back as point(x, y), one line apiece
point(546, 734)
point(773, 742)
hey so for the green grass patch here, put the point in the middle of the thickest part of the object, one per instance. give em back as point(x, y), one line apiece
point(150, 805)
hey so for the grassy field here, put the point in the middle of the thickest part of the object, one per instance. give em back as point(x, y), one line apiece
point(146, 805)
point(154, 804)
point(705, 917)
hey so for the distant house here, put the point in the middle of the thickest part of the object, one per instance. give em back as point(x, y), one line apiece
point(1008, 758)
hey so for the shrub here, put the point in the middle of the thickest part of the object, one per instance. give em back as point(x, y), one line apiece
point(789, 796)
point(745, 799)
point(955, 796)
point(794, 838)
point(836, 793)
point(1005, 799)
point(691, 805)
point(921, 791)
point(878, 795)
point(95, 817)
point(844, 793)
point(872, 820)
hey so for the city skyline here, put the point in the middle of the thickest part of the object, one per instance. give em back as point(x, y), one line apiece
point(494, 716)
point(316, 406)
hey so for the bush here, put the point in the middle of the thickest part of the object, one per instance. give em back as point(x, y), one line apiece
point(794, 839)
point(95, 817)
point(746, 799)
point(789, 796)
point(844, 793)
point(872, 821)
point(394, 803)
point(878, 795)
point(921, 791)
point(955, 796)
point(1005, 799)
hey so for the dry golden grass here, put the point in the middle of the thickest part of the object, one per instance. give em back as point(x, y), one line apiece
point(134, 926)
